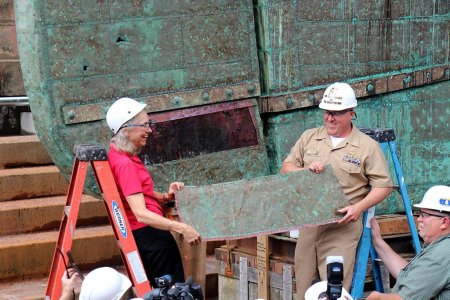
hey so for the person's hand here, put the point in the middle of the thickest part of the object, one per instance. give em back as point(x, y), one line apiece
point(68, 284)
point(174, 186)
point(316, 167)
point(375, 229)
point(374, 296)
point(382, 296)
point(352, 214)
point(191, 235)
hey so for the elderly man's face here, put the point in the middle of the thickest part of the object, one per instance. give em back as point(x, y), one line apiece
point(138, 135)
point(338, 123)
point(430, 224)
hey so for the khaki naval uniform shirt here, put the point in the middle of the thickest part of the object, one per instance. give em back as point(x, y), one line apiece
point(357, 161)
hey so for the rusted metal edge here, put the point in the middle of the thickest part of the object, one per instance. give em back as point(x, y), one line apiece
point(363, 88)
point(81, 113)
point(203, 110)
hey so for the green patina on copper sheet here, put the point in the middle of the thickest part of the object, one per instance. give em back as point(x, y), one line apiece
point(261, 206)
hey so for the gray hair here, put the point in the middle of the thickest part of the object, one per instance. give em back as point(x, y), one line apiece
point(122, 143)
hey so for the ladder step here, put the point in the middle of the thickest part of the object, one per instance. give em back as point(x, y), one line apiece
point(31, 182)
point(29, 255)
point(40, 214)
point(21, 151)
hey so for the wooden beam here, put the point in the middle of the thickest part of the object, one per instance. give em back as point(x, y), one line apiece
point(287, 282)
point(394, 224)
point(243, 279)
point(262, 252)
point(194, 260)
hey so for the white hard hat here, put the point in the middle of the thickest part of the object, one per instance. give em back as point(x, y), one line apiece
point(122, 111)
point(313, 292)
point(104, 284)
point(338, 96)
point(436, 198)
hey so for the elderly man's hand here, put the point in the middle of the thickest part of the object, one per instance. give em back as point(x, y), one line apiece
point(380, 296)
point(375, 229)
point(374, 296)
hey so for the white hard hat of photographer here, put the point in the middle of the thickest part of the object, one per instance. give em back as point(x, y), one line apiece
point(313, 292)
point(122, 111)
point(436, 198)
point(104, 284)
point(338, 96)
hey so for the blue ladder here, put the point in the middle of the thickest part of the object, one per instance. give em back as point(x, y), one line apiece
point(386, 138)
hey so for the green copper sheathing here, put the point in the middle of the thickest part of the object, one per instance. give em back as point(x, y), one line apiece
point(78, 57)
point(242, 163)
point(264, 205)
point(303, 44)
point(420, 118)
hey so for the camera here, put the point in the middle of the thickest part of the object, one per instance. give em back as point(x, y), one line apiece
point(335, 275)
point(167, 290)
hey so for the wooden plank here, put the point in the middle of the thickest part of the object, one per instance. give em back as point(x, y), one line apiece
point(394, 224)
point(386, 278)
point(275, 262)
point(280, 249)
point(287, 282)
point(243, 278)
point(275, 280)
point(194, 260)
point(262, 249)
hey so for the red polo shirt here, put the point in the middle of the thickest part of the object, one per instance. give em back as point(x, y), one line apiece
point(133, 178)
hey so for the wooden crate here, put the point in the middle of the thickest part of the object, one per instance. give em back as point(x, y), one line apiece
point(237, 262)
point(242, 283)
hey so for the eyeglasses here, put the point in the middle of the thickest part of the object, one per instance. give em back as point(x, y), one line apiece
point(424, 214)
point(337, 113)
point(145, 125)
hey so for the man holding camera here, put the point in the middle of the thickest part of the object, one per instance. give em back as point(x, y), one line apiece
point(361, 169)
point(427, 275)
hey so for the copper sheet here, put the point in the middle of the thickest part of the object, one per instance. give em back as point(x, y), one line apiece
point(260, 206)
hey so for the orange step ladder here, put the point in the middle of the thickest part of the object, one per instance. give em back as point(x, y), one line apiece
point(96, 156)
